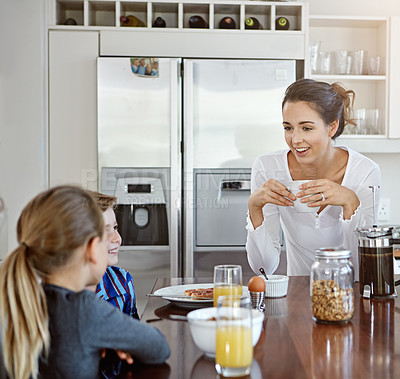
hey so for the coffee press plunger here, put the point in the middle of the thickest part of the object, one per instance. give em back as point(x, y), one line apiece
point(375, 256)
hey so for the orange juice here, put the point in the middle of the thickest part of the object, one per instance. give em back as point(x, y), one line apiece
point(225, 290)
point(234, 346)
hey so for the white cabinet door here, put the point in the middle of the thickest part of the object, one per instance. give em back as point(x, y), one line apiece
point(72, 108)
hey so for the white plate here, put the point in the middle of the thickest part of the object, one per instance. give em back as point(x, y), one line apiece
point(168, 293)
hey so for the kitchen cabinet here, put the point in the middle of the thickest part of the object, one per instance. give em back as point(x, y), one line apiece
point(72, 108)
point(354, 34)
point(106, 13)
point(178, 39)
point(378, 37)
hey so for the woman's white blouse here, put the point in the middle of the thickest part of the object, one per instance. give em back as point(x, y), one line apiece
point(306, 232)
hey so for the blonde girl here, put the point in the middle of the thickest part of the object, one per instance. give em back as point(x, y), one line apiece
point(51, 327)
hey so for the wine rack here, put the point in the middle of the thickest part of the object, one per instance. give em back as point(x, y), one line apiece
point(101, 14)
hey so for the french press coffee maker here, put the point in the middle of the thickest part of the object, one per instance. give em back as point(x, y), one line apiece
point(375, 256)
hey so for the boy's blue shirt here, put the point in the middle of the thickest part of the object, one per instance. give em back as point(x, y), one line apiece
point(117, 287)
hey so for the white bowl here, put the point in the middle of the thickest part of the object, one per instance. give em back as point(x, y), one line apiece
point(204, 331)
point(276, 285)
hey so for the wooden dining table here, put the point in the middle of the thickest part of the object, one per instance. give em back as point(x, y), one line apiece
point(292, 344)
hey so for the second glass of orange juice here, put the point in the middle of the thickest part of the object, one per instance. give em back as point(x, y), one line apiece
point(227, 281)
point(234, 348)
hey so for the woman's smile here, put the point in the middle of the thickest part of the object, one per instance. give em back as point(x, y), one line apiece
point(301, 151)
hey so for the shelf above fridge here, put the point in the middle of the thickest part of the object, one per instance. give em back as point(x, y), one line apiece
point(169, 14)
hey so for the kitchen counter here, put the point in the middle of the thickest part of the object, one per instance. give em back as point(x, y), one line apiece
point(291, 345)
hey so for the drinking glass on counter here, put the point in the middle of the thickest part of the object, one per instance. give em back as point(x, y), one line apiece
point(234, 347)
point(227, 281)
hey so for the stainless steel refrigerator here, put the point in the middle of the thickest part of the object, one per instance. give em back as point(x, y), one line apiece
point(176, 148)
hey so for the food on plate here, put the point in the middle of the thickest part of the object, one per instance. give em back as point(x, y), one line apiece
point(256, 284)
point(200, 293)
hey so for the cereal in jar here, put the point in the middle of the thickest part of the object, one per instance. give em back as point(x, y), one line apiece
point(331, 286)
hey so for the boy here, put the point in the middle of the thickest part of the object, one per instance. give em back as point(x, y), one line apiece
point(116, 285)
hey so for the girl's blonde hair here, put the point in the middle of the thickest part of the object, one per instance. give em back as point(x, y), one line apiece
point(50, 229)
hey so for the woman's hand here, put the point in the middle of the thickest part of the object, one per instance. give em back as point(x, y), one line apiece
point(323, 192)
point(271, 192)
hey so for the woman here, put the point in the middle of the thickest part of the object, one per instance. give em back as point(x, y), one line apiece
point(51, 326)
point(314, 115)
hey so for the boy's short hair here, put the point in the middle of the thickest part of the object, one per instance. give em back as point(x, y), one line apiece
point(103, 202)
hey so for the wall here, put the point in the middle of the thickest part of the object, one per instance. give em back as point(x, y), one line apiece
point(390, 169)
point(355, 7)
point(22, 106)
point(23, 90)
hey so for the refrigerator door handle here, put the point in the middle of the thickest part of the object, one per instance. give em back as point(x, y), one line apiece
point(188, 190)
point(233, 185)
point(175, 159)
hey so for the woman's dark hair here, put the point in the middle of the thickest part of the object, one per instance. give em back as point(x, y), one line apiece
point(331, 101)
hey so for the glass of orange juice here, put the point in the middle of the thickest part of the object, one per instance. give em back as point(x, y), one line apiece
point(234, 348)
point(227, 281)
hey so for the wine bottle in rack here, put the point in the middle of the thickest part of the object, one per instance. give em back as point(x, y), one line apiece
point(70, 21)
point(159, 22)
point(131, 21)
point(282, 23)
point(252, 23)
point(197, 21)
point(227, 23)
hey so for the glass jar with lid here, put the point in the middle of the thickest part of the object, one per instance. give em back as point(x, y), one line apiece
point(331, 286)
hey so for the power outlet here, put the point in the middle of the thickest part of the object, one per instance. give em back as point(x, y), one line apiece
point(384, 210)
